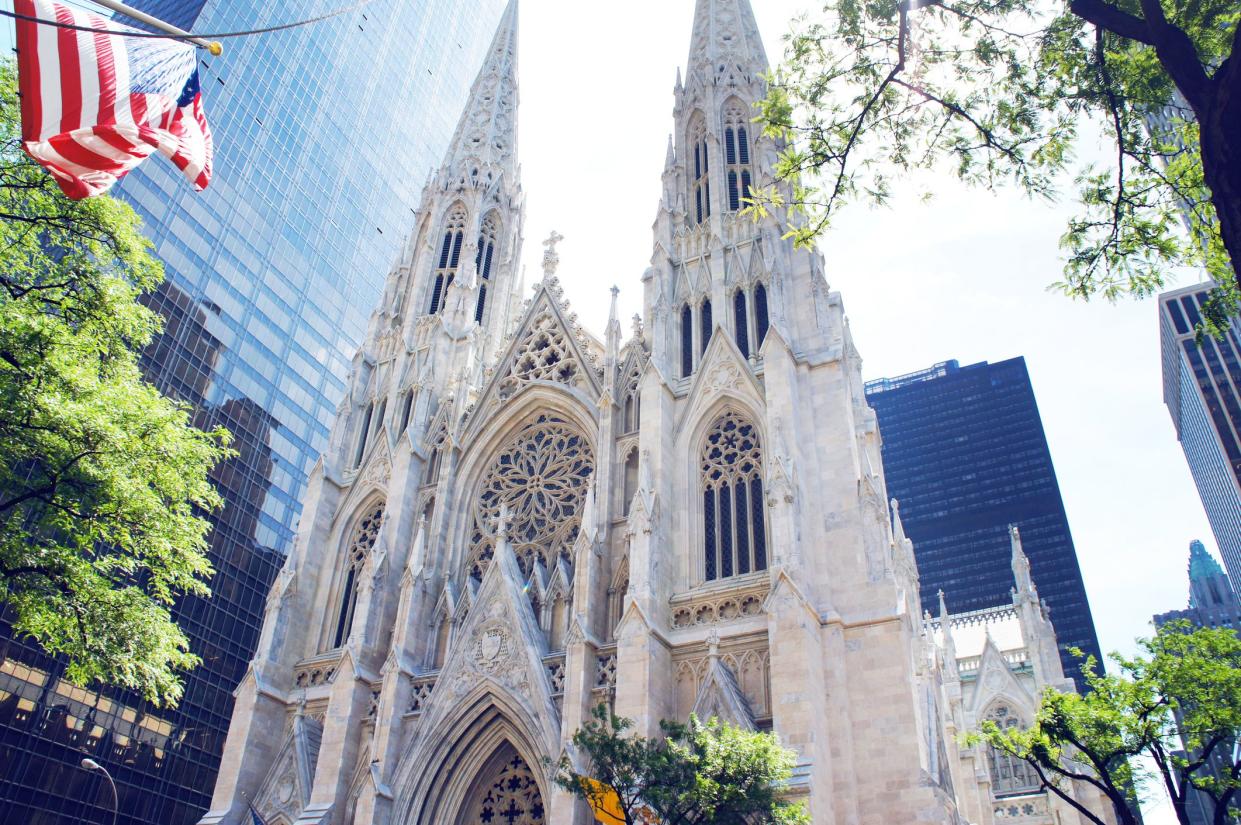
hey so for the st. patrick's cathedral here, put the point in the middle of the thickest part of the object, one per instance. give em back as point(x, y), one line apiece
point(516, 521)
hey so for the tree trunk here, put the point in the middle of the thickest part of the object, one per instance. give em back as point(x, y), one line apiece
point(1220, 137)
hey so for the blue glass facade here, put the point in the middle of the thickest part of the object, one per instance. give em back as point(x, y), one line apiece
point(324, 137)
point(1202, 388)
point(965, 454)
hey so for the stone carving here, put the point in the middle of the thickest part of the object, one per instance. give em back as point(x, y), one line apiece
point(420, 693)
point(721, 377)
point(718, 609)
point(544, 354)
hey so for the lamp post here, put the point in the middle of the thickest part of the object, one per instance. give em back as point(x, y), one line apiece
point(92, 765)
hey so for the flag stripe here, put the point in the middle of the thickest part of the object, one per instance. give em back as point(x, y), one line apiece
point(94, 105)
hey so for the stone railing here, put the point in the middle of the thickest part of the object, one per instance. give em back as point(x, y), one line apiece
point(1022, 810)
point(319, 670)
point(697, 609)
point(1015, 658)
point(420, 691)
point(555, 672)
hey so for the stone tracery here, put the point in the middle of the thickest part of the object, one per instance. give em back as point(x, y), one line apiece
point(509, 796)
point(545, 354)
point(541, 475)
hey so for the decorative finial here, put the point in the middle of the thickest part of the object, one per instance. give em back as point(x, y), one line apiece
point(713, 644)
point(550, 259)
point(502, 524)
point(943, 606)
point(637, 326)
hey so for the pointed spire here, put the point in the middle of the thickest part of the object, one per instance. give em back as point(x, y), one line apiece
point(1021, 563)
point(613, 331)
point(487, 131)
point(670, 159)
point(943, 608)
point(726, 35)
point(898, 527)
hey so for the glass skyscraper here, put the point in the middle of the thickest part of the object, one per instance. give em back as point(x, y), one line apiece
point(324, 137)
point(965, 454)
point(1202, 388)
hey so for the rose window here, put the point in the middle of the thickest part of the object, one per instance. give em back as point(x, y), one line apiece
point(541, 476)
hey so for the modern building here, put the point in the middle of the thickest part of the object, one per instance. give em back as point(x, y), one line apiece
point(1212, 603)
point(966, 457)
point(1202, 388)
point(516, 521)
point(323, 137)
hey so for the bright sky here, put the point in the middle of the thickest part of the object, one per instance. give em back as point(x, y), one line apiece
point(963, 277)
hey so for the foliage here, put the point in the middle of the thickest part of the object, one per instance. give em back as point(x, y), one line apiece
point(1000, 91)
point(103, 481)
point(1176, 704)
point(695, 774)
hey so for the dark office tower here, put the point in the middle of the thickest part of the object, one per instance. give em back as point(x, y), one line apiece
point(1202, 388)
point(965, 455)
point(324, 136)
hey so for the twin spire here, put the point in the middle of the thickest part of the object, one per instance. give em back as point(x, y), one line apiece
point(725, 39)
point(486, 136)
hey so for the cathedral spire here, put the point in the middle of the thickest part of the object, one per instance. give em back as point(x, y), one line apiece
point(487, 132)
point(725, 39)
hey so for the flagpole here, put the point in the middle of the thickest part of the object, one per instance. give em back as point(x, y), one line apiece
point(214, 47)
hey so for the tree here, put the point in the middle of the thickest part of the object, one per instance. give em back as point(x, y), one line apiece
point(695, 774)
point(998, 91)
point(103, 481)
point(1177, 704)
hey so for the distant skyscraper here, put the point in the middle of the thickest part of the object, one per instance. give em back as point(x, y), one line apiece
point(324, 136)
point(1212, 603)
point(1202, 388)
point(965, 455)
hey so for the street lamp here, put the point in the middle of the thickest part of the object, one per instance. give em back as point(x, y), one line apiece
point(92, 765)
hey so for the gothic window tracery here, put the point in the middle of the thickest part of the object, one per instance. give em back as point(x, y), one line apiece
point(482, 263)
point(761, 322)
point(431, 474)
point(1009, 775)
point(541, 476)
point(734, 523)
point(700, 179)
point(449, 257)
point(507, 794)
point(364, 434)
point(545, 354)
point(361, 542)
point(631, 411)
point(737, 154)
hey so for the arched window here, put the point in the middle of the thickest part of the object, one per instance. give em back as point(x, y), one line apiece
point(705, 324)
point(737, 154)
point(734, 525)
point(431, 474)
point(742, 322)
point(361, 541)
point(486, 251)
point(760, 314)
point(1009, 775)
point(687, 341)
point(630, 486)
point(364, 434)
point(631, 412)
point(450, 257)
point(443, 634)
point(407, 407)
point(700, 178)
point(540, 477)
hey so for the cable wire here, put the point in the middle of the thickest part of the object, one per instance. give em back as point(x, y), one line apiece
point(190, 35)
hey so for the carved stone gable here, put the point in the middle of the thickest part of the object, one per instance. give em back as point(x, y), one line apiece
point(286, 789)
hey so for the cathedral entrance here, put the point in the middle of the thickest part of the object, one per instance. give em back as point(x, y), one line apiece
point(505, 793)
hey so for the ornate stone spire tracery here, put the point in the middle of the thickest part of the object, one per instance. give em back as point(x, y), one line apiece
point(725, 38)
point(487, 132)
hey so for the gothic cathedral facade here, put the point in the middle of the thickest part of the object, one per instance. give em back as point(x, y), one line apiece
point(515, 521)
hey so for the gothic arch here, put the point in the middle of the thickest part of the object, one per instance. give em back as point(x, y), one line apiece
point(490, 437)
point(353, 545)
point(441, 770)
point(1009, 775)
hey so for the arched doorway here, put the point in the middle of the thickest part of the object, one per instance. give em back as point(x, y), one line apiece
point(505, 793)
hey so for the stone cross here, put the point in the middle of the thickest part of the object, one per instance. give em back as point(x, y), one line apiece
point(550, 259)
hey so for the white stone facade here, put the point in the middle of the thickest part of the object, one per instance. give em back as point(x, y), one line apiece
point(515, 521)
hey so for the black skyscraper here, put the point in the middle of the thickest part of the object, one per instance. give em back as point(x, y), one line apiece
point(965, 454)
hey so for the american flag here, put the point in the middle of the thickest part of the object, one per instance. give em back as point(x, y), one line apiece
point(95, 105)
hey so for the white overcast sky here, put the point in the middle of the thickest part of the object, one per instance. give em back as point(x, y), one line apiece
point(964, 276)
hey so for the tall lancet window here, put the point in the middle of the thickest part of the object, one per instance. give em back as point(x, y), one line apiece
point(687, 341)
point(449, 258)
point(737, 154)
point(361, 542)
point(1009, 775)
point(741, 318)
point(761, 322)
point(705, 325)
point(700, 169)
point(486, 251)
point(734, 524)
